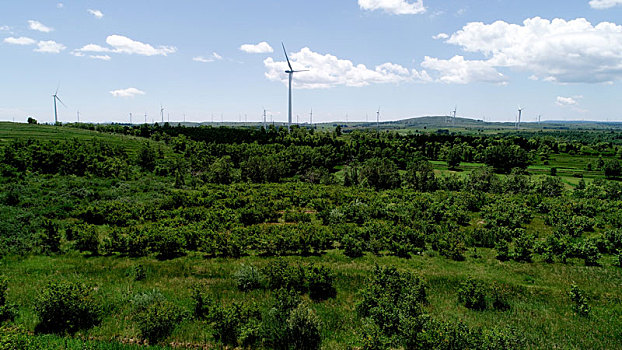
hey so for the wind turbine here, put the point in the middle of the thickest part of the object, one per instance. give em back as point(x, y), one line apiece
point(520, 113)
point(453, 118)
point(291, 72)
point(55, 96)
point(162, 113)
point(378, 120)
point(311, 117)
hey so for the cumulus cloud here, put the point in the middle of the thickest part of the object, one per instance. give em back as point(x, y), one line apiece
point(22, 40)
point(551, 50)
point(49, 46)
point(457, 70)
point(604, 4)
point(96, 13)
point(129, 92)
point(5, 28)
point(38, 26)
point(100, 57)
point(262, 47)
point(122, 44)
point(566, 101)
point(396, 7)
point(441, 36)
point(328, 71)
point(213, 57)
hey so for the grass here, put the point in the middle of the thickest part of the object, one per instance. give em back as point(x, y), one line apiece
point(540, 304)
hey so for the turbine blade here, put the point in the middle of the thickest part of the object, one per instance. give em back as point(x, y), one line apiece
point(57, 87)
point(298, 71)
point(61, 102)
point(286, 57)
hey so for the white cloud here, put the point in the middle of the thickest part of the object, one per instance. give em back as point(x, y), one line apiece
point(22, 40)
point(262, 47)
point(49, 46)
point(129, 92)
point(93, 48)
point(60, 5)
point(604, 4)
point(440, 36)
point(213, 57)
point(122, 44)
point(565, 101)
point(457, 70)
point(5, 28)
point(396, 7)
point(100, 57)
point(38, 26)
point(328, 71)
point(550, 50)
point(96, 13)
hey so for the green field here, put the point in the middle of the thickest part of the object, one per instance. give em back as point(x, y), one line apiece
point(171, 214)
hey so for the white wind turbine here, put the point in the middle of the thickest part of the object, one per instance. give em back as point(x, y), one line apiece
point(55, 96)
point(520, 114)
point(290, 72)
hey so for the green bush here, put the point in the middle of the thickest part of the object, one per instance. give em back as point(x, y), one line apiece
point(579, 301)
point(503, 250)
point(523, 248)
point(303, 327)
point(138, 272)
point(203, 303)
point(158, 319)
point(279, 274)
point(274, 327)
point(248, 277)
point(14, 338)
point(50, 237)
point(590, 253)
point(8, 311)
point(86, 238)
point(66, 307)
point(353, 245)
point(321, 281)
point(472, 295)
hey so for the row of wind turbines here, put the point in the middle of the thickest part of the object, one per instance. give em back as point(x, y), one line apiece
point(290, 72)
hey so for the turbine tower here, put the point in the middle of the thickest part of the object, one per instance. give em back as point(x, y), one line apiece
point(290, 72)
point(520, 113)
point(78, 113)
point(311, 117)
point(162, 113)
point(130, 118)
point(453, 118)
point(378, 120)
point(55, 96)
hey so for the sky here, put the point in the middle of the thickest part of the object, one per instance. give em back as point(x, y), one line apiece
point(216, 60)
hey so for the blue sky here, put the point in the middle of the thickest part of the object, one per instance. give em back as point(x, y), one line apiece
point(560, 59)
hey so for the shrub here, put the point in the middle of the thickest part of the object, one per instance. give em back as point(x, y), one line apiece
point(167, 243)
point(50, 237)
point(66, 307)
point(274, 330)
point(321, 283)
point(86, 238)
point(7, 310)
point(580, 306)
point(203, 303)
point(158, 319)
point(14, 338)
point(472, 295)
point(500, 297)
point(523, 248)
point(303, 327)
point(619, 258)
point(353, 246)
point(138, 272)
point(503, 250)
point(451, 245)
point(248, 277)
point(590, 253)
point(280, 274)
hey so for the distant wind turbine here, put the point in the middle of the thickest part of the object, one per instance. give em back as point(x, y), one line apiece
point(520, 113)
point(162, 113)
point(378, 120)
point(291, 72)
point(55, 96)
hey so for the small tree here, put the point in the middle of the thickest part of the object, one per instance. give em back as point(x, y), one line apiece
point(454, 157)
point(32, 120)
point(580, 306)
point(612, 168)
point(66, 307)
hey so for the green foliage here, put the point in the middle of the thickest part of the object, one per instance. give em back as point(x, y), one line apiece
point(579, 306)
point(248, 277)
point(321, 280)
point(472, 295)
point(379, 173)
point(503, 250)
point(279, 274)
point(454, 157)
point(8, 311)
point(420, 176)
point(155, 316)
point(66, 307)
point(303, 327)
point(86, 238)
point(504, 157)
point(14, 338)
point(612, 168)
point(523, 247)
point(50, 237)
point(138, 272)
point(221, 171)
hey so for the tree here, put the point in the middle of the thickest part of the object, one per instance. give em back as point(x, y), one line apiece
point(221, 171)
point(503, 158)
point(32, 120)
point(612, 168)
point(454, 157)
point(380, 173)
point(420, 176)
